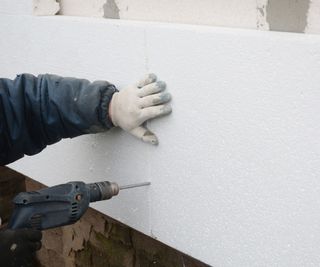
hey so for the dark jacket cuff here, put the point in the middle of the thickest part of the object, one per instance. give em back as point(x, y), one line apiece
point(106, 96)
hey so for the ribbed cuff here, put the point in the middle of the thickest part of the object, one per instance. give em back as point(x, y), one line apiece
point(106, 96)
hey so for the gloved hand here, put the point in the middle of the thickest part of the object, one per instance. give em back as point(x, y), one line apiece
point(135, 104)
point(18, 247)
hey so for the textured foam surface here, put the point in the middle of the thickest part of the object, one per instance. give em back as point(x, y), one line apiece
point(235, 179)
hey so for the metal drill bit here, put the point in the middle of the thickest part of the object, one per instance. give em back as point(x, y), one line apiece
point(134, 185)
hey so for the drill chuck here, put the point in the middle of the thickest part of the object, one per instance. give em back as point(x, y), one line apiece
point(102, 190)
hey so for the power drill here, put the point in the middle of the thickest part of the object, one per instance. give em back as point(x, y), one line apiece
point(61, 204)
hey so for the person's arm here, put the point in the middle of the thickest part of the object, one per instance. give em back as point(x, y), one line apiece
point(38, 111)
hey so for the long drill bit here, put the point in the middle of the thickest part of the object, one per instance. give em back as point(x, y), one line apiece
point(134, 185)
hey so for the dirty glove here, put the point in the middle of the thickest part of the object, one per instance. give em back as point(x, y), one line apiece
point(18, 247)
point(135, 104)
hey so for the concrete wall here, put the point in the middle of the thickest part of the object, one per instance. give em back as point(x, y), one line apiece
point(235, 180)
point(284, 15)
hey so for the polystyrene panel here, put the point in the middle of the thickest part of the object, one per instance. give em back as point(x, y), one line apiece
point(16, 7)
point(235, 179)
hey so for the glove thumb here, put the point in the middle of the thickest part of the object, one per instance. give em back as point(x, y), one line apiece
point(145, 135)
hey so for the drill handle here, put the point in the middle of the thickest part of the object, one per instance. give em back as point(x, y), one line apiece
point(50, 207)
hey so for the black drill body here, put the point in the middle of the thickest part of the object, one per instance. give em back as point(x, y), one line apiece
point(58, 205)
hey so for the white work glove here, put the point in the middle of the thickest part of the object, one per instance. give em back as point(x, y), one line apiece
point(135, 104)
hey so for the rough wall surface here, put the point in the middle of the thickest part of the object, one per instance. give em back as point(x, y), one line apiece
point(284, 15)
point(236, 176)
point(287, 15)
point(45, 7)
point(11, 183)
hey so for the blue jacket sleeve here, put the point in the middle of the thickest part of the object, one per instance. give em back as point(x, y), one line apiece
point(39, 111)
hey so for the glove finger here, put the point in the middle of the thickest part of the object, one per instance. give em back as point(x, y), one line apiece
point(145, 135)
point(152, 88)
point(30, 234)
point(149, 78)
point(155, 111)
point(155, 99)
